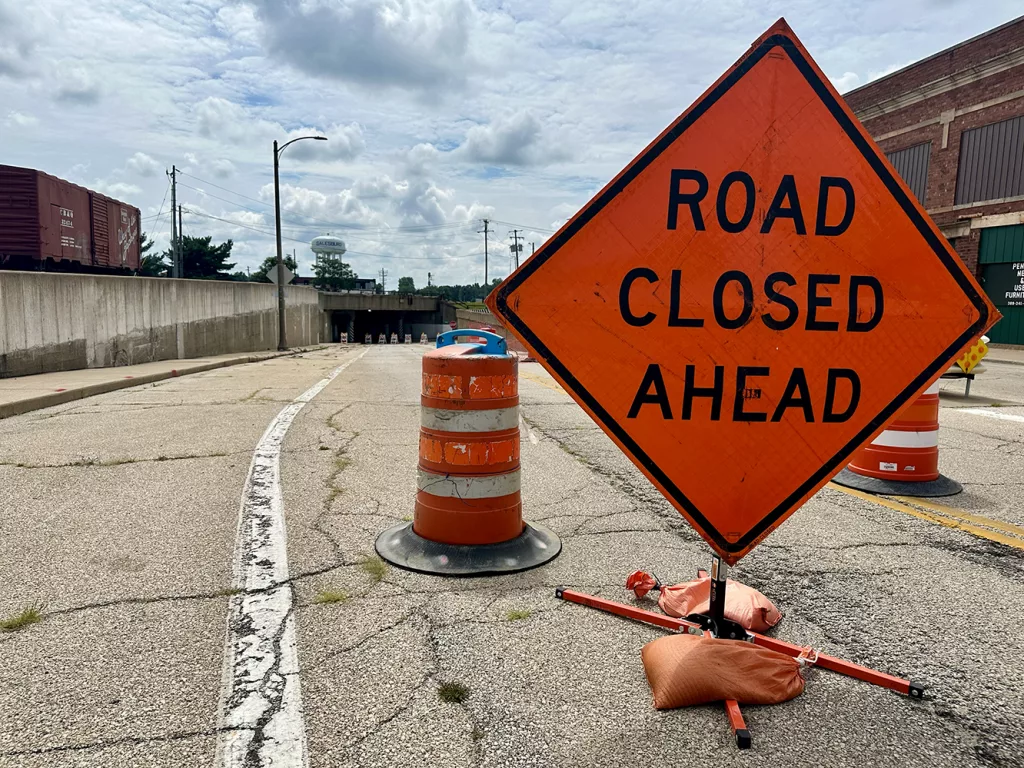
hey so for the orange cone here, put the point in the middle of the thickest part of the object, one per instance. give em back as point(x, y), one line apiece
point(904, 459)
point(468, 513)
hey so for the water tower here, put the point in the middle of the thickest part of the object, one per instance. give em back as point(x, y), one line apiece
point(328, 247)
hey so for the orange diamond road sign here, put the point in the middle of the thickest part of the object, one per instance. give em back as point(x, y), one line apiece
point(753, 298)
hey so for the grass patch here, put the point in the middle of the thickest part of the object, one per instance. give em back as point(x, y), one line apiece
point(342, 463)
point(375, 568)
point(518, 614)
point(476, 734)
point(406, 518)
point(31, 614)
point(328, 596)
point(325, 447)
point(228, 592)
point(453, 693)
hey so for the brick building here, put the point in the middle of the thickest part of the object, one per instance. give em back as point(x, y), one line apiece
point(953, 126)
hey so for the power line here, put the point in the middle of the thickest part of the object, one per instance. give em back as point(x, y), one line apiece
point(542, 230)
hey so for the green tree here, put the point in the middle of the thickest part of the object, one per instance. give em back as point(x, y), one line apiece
point(203, 260)
point(150, 264)
point(270, 265)
point(333, 275)
point(240, 276)
point(406, 285)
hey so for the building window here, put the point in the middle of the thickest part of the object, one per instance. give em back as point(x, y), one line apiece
point(912, 164)
point(991, 162)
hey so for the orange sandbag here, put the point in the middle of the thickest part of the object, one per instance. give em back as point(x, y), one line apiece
point(744, 605)
point(684, 670)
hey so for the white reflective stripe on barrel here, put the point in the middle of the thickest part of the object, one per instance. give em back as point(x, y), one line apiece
point(443, 420)
point(933, 389)
point(466, 487)
point(894, 439)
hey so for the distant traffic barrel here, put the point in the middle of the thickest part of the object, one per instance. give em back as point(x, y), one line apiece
point(423, 339)
point(468, 513)
point(904, 459)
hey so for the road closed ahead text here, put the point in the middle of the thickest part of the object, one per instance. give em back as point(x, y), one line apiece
point(829, 303)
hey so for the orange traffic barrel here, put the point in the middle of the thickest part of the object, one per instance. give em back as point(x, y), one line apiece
point(904, 459)
point(468, 516)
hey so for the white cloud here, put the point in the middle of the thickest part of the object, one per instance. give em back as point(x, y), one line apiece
point(223, 168)
point(20, 120)
point(421, 159)
point(143, 165)
point(76, 85)
point(846, 81)
point(226, 121)
point(121, 190)
point(517, 139)
point(412, 44)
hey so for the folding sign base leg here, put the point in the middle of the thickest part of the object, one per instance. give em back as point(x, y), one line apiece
point(689, 625)
point(738, 725)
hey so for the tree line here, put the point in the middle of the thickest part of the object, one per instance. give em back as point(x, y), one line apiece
point(203, 260)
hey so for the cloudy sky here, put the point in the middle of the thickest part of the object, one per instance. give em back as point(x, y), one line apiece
point(439, 113)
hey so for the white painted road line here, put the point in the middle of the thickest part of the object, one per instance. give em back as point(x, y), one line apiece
point(261, 704)
point(992, 413)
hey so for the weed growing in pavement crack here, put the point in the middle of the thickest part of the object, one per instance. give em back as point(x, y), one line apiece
point(452, 692)
point(375, 568)
point(31, 614)
point(326, 596)
point(476, 734)
point(228, 592)
point(518, 614)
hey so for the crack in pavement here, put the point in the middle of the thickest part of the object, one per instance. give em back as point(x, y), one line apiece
point(105, 743)
point(105, 463)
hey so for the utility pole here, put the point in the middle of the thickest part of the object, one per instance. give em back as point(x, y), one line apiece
point(516, 248)
point(383, 281)
point(485, 231)
point(533, 248)
point(181, 244)
point(175, 267)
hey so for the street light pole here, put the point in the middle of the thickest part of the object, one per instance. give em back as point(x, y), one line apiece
point(282, 340)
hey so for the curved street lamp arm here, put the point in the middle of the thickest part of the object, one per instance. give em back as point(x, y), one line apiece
point(300, 138)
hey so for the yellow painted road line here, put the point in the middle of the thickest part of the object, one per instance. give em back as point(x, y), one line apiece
point(549, 383)
point(957, 522)
point(942, 509)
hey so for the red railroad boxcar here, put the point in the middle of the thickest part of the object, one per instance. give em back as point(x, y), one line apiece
point(49, 223)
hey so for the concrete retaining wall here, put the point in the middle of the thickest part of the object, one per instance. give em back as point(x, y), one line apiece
point(56, 322)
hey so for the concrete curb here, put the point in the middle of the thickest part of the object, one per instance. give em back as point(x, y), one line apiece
point(59, 398)
point(989, 359)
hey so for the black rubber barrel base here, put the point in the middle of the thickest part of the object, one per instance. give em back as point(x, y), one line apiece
point(403, 547)
point(942, 486)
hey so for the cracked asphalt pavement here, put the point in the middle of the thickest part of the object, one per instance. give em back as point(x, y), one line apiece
point(119, 514)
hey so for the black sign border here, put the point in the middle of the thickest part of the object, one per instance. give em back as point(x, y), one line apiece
point(595, 207)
